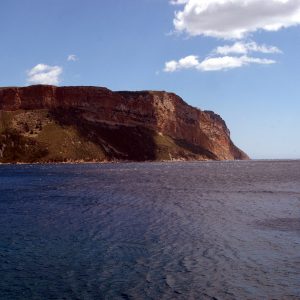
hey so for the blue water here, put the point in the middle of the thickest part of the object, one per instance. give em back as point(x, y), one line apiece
point(207, 230)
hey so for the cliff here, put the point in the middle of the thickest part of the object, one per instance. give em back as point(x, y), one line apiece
point(47, 124)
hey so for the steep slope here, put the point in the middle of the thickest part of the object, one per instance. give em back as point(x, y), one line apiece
point(47, 123)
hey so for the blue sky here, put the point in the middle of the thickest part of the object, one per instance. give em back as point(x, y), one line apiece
point(241, 61)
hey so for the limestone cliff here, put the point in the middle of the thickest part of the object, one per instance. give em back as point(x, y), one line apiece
point(47, 123)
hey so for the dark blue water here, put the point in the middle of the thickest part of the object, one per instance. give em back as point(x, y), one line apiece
point(210, 230)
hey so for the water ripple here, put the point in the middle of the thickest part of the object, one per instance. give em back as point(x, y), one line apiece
point(210, 230)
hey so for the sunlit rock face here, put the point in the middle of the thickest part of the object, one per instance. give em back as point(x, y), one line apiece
point(96, 124)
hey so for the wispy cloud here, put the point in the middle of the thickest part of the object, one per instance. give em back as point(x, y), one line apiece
point(234, 19)
point(44, 74)
point(245, 48)
point(72, 57)
point(178, 2)
point(214, 63)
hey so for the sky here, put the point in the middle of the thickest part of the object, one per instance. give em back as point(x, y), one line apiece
point(239, 58)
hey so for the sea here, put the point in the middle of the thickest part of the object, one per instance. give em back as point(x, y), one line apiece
point(180, 230)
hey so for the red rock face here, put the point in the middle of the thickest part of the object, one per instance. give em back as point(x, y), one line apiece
point(163, 112)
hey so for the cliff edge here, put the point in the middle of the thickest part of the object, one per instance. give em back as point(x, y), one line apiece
point(67, 124)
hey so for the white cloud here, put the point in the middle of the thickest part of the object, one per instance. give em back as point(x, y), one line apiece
point(171, 66)
point(72, 57)
point(44, 74)
point(187, 62)
point(214, 63)
point(245, 48)
point(234, 19)
point(230, 62)
point(178, 2)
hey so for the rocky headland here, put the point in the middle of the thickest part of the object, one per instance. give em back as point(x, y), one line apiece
point(44, 123)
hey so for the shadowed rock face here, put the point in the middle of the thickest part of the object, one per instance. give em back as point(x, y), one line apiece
point(146, 125)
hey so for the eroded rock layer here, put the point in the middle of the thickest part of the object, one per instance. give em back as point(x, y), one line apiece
point(47, 123)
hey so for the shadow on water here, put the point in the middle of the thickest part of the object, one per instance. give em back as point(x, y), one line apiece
point(281, 224)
